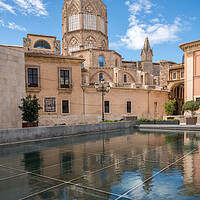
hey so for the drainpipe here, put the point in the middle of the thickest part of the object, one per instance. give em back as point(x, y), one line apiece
point(148, 102)
point(83, 87)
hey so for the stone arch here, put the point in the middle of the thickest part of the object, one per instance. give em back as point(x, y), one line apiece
point(89, 17)
point(73, 9)
point(89, 8)
point(104, 73)
point(90, 43)
point(127, 73)
point(73, 45)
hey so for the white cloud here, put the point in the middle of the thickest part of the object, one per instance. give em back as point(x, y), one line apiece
point(12, 25)
point(35, 7)
point(155, 20)
point(157, 30)
point(6, 7)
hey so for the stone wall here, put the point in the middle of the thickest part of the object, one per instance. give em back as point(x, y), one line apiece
point(27, 134)
point(164, 73)
point(12, 87)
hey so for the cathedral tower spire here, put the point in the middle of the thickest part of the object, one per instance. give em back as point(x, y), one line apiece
point(84, 25)
point(147, 52)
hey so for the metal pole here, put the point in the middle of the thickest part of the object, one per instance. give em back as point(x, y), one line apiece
point(83, 105)
point(102, 89)
point(148, 104)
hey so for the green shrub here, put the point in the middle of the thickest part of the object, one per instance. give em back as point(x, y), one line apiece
point(143, 120)
point(172, 120)
point(169, 107)
point(30, 108)
point(105, 121)
point(191, 106)
point(160, 120)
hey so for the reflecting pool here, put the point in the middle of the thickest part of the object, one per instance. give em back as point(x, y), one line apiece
point(125, 164)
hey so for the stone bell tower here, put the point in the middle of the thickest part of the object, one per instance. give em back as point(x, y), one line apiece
point(84, 25)
point(147, 52)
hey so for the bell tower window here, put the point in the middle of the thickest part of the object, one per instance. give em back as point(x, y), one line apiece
point(74, 19)
point(73, 45)
point(90, 43)
point(89, 18)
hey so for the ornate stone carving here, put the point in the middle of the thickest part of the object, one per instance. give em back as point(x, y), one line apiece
point(103, 44)
point(89, 10)
point(73, 42)
point(57, 46)
point(73, 10)
point(27, 43)
point(189, 54)
point(90, 42)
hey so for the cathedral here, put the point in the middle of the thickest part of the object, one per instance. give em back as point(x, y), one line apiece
point(64, 80)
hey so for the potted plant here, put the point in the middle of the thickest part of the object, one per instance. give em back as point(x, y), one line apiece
point(191, 106)
point(30, 108)
point(170, 108)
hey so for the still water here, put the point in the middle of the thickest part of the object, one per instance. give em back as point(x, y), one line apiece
point(125, 164)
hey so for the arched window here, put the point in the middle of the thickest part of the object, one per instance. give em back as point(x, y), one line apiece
point(73, 45)
point(90, 43)
point(42, 45)
point(100, 76)
point(74, 19)
point(125, 78)
point(101, 61)
point(89, 18)
point(116, 63)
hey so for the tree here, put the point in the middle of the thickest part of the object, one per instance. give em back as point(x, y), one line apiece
point(191, 106)
point(30, 108)
point(169, 107)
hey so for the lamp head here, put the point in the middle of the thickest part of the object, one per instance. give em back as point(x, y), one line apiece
point(102, 81)
point(108, 87)
point(96, 85)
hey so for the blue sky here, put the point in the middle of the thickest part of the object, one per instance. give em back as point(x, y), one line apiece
point(167, 23)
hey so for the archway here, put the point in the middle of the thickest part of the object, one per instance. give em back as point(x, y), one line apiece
point(177, 93)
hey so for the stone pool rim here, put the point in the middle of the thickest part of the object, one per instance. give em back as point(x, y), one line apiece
point(9, 136)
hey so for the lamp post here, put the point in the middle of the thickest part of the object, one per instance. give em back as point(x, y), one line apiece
point(103, 89)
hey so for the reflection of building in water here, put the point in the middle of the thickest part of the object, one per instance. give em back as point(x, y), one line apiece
point(139, 154)
point(79, 160)
point(191, 164)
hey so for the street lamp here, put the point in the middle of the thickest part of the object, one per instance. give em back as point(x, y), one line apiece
point(103, 89)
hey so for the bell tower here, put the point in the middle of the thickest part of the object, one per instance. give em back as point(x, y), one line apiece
point(147, 52)
point(84, 25)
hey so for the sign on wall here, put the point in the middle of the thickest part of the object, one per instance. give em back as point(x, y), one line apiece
point(49, 104)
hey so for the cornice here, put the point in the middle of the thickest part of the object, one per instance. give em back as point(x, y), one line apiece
point(190, 46)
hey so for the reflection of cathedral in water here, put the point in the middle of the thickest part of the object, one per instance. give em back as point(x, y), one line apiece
point(106, 163)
